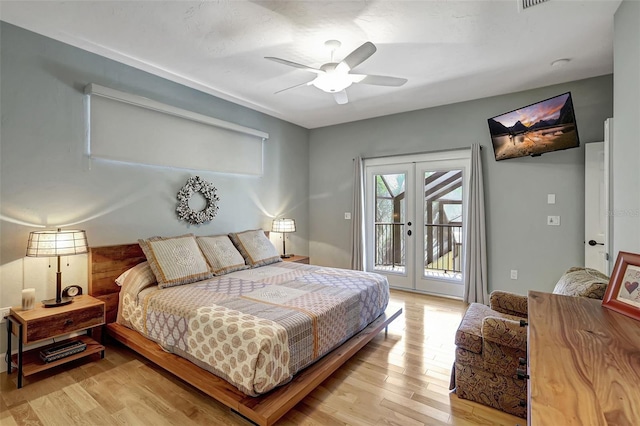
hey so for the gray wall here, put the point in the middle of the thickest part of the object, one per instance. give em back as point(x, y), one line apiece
point(516, 190)
point(46, 179)
point(626, 128)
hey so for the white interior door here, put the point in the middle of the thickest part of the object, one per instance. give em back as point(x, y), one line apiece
point(596, 201)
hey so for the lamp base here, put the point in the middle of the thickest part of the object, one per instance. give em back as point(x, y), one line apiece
point(51, 303)
point(286, 256)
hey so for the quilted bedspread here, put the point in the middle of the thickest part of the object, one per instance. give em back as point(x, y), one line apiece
point(256, 328)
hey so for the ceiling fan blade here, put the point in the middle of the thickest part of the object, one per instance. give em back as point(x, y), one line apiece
point(294, 64)
point(379, 80)
point(341, 97)
point(358, 56)
point(293, 87)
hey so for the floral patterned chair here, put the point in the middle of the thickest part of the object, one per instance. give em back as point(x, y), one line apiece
point(490, 342)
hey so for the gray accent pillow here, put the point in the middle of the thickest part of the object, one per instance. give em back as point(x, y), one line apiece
point(255, 247)
point(175, 260)
point(222, 255)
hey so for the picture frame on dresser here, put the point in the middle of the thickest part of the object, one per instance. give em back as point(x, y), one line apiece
point(623, 291)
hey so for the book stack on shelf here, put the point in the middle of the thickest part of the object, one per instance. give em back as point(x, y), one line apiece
point(56, 352)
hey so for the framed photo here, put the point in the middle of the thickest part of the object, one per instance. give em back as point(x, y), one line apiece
point(623, 291)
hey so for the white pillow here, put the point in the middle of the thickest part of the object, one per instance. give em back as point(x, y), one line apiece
point(137, 278)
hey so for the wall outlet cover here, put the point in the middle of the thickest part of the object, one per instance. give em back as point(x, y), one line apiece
point(347, 215)
point(4, 312)
point(514, 274)
point(553, 220)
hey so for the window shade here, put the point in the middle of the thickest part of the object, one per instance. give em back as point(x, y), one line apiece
point(133, 129)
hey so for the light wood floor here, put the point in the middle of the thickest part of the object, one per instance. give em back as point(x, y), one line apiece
point(401, 379)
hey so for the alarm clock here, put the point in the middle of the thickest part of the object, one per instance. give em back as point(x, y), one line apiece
point(72, 291)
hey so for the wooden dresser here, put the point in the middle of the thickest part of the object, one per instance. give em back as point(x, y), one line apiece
point(583, 361)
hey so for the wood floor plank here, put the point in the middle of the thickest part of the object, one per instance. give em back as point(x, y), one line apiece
point(400, 379)
point(98, 417)
point(57, 408)
point(81, 397)
point(414, 413)
point(23, 415)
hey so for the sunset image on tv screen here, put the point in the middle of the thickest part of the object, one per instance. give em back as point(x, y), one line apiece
point(542, 127)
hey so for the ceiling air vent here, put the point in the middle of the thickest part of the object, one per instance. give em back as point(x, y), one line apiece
point(525, 4)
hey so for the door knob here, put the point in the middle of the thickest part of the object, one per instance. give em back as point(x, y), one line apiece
point(595, 243)
point(409, 232)
point(409, 223)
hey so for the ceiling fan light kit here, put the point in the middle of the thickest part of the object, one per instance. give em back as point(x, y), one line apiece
point(332, 80)
point(335, 77)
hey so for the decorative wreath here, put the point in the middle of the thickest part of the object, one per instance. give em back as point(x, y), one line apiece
point(208, 191)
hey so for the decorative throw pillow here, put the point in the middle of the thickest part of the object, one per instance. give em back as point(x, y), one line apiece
point(255, 247)
point(175, 260)
point(136, 279)
point(582, 282)
point(222, 255)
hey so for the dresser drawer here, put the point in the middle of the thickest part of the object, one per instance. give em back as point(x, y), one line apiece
point(63, 323)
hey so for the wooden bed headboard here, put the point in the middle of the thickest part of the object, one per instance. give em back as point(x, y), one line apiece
point(105, 265)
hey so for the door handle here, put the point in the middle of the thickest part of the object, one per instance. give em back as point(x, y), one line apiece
point(595, 243)
point(409, 232)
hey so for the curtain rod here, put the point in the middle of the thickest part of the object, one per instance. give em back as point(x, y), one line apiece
point(418, 153)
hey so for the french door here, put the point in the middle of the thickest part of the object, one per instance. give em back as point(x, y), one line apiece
point(415, 220)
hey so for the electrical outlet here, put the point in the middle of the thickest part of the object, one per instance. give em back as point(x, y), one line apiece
point(514, 274)
point(4, 312)
point(553, 220)
point(347, 215)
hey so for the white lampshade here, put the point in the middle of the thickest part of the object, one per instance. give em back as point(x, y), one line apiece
point(283, 225)
point(51, 243)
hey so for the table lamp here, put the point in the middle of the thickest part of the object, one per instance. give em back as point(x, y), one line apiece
point(56, 243)
point(284, 225)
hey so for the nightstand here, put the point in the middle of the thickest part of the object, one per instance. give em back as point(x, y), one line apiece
point(40, 323)
point(297, 259)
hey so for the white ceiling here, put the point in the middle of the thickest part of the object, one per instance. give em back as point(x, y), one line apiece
point(450, 51)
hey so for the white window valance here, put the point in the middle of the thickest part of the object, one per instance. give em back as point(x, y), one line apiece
point(134, 129)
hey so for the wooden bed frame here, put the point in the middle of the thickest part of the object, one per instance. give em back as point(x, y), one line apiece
point(107, 263)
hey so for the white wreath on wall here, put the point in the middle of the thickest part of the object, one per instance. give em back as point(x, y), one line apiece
point(208, 191)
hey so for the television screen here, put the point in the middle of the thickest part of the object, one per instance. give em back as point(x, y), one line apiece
point(545, 126)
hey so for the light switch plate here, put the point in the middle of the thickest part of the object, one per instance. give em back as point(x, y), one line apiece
point(553, 220)
point(551, 198)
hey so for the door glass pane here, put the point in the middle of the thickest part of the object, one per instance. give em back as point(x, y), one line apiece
point(389, 223)
point(443, 224)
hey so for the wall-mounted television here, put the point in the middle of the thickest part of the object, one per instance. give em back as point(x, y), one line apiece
point(545, 126)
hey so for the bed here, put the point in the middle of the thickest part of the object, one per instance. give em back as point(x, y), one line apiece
point(269, 400)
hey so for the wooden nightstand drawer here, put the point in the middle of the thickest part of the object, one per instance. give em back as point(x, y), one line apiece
point(63, 323)
point(45, 323)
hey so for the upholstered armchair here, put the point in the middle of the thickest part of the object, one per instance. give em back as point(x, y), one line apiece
point(490, 342)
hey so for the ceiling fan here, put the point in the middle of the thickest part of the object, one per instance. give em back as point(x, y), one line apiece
point(335, 77)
